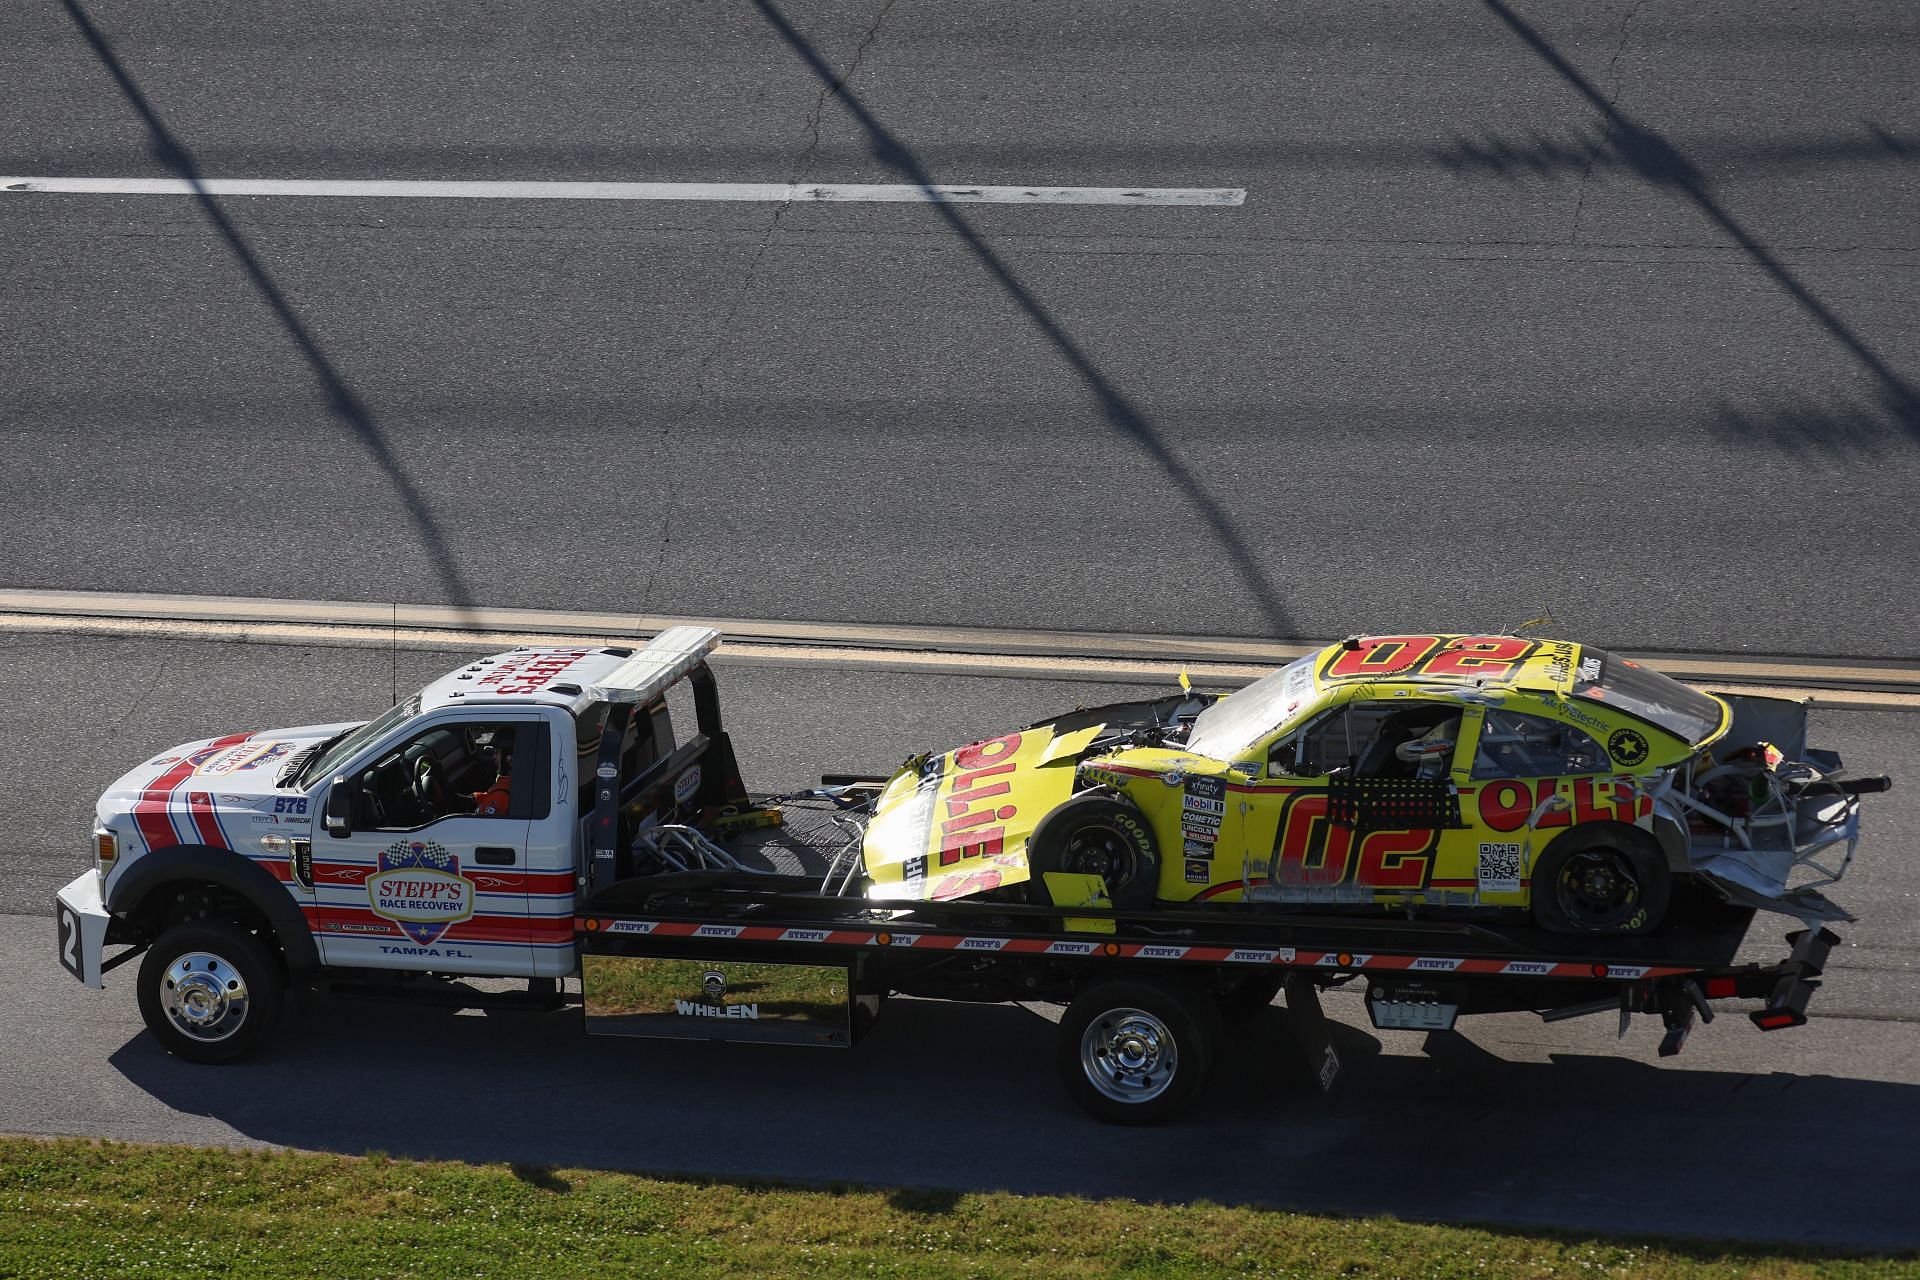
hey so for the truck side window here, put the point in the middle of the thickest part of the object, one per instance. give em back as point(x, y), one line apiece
point(478, 769)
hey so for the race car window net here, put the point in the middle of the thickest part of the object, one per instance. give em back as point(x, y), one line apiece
point(1514, 745)
point(345, 749)
point(1645, 694)
point(1230, 727)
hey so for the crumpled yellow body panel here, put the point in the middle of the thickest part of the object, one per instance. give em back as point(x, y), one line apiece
point(958, 824)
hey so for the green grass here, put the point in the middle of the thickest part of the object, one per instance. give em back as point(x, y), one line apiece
point(75, 1208)
point(629, 984)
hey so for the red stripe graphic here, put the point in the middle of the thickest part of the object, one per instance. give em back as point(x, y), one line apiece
point(200, 805)
point(151, 810)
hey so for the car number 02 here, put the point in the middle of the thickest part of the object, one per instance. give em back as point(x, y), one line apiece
point(1467, 656)
point(70, 942)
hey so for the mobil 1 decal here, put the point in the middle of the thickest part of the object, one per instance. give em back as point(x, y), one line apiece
point(1203, 808)
point(1311, 851)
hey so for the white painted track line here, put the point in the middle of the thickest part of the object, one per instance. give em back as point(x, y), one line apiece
point(757, 192)
point(1217, 661)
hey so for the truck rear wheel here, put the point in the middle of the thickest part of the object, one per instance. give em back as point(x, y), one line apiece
point(1136, 1052)
point(209, 991)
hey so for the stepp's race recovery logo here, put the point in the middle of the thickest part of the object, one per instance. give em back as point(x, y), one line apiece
point(419, 887)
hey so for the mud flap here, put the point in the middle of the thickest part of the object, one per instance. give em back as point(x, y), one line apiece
point(1308, 1024)
point(1799, 979)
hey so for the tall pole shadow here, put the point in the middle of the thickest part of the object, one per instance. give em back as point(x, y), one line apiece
point(1118, 411)
point(341, 400)
point(1658, 162)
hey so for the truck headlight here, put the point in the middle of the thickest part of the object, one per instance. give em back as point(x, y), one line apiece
point(106, 849)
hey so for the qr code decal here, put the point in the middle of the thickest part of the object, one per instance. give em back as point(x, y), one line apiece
point(1499, 868)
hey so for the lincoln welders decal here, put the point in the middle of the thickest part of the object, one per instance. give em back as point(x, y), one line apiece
point(419, 887)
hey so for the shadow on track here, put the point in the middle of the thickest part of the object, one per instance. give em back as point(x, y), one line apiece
point(1584, 151)
point(1624, 144)
point(341, 400)
point(964, 1097)
point(1119, 412)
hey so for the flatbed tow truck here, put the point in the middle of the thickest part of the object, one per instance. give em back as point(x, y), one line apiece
point(607, 847)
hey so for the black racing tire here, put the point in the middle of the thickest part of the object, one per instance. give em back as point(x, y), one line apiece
point(210, 991)
point(1096, 834)
point(1133, 1051)
point(1605, 878)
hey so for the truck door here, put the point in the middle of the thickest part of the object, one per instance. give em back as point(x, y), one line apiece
point(435, 869)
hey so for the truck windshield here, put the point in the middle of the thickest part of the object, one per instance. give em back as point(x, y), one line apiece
point(344, 748)
point(1645, 694)
point(1228, 728)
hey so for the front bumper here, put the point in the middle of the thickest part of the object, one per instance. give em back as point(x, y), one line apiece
point(80, 919)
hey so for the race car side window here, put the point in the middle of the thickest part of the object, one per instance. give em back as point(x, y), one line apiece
point(1516, 745)
point(1345, 738)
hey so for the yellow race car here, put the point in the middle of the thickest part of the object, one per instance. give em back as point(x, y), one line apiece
point(1424, 772)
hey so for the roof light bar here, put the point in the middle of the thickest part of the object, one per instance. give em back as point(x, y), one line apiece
point(667, 658)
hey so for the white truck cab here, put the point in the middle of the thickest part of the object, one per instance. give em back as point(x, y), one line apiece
point(449, 835)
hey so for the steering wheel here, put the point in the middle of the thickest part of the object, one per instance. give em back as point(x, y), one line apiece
point(428, 786)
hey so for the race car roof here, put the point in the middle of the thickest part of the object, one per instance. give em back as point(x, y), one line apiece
point(1557, 668)
point(1497, 662)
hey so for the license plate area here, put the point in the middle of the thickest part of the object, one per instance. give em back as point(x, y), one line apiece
point(69, 939)
point(1406, 1006)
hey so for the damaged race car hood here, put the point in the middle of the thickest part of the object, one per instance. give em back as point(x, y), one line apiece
point(958, 824)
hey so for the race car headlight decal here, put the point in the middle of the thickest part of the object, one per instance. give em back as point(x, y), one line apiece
point(106, 848)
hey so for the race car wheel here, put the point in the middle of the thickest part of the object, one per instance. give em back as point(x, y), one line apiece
point(1611, 880)
point(1098, 835)
point(1135, 1052)
point(209, 991)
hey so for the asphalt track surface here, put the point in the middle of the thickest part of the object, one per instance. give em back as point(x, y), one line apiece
point(1811, 1135)
point(1605, 309)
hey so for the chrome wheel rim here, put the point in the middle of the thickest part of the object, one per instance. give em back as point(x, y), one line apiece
point(1129, 1055)
point(204, 996)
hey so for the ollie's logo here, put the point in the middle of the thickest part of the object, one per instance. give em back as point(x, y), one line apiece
point(418, 886)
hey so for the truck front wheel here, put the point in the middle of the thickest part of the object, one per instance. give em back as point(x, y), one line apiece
point(1136, 1052)
point(209, 991)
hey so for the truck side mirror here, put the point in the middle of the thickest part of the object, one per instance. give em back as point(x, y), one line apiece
point(339, 812)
